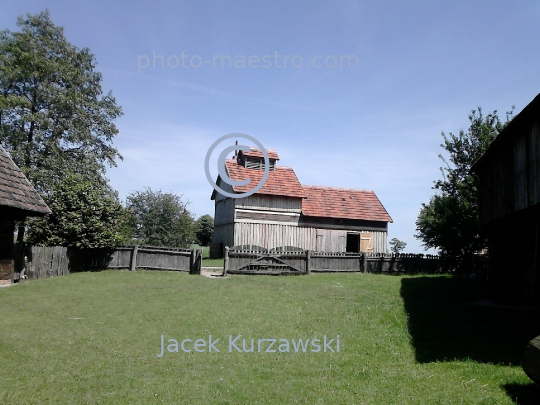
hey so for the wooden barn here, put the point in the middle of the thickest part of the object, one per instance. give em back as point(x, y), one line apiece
point(18, 200)
point(285, 213)
point(509, 204)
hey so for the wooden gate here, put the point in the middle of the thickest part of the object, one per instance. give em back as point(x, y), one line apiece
point(257, 260)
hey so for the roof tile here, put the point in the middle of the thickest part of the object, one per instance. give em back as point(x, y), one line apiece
point(282, 181)
point(350, 203)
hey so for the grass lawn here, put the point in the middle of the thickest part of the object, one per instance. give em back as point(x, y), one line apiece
point(212, 263)
point(94, 338)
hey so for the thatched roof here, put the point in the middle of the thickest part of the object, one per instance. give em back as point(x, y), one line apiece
point(15, 189)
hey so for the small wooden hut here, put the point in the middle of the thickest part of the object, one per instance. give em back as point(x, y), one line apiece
point(509, 206)
point(285, 213)
point(18, 200)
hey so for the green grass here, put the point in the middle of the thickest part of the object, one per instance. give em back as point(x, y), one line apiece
point(94, 338)
point(205, 249)
point(212, 263)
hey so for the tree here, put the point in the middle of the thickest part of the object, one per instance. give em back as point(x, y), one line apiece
point(83, 215)
point(397, 245)
point(53, 117)
point(205, 229)
point(449, 222)
point(161, 219)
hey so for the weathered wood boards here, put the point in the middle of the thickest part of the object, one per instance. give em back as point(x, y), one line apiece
point(251, 259)
point(531, 360)
point(54, 261)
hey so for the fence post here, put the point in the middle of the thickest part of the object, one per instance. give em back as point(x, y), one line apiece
point(133, 263)
point(363, 262)
point(308, 261)
point(226, 261)
point(192, 262)
point(199, 260)
point(195, 261)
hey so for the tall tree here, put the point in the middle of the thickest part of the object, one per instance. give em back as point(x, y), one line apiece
point(161, 219)
point(83, 215)
point(449, 222)
point(54, 118)
point(205, 229)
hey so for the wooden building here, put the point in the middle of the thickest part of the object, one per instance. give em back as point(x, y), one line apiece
point(18, 200)
point(509, 206)
point(285, 213)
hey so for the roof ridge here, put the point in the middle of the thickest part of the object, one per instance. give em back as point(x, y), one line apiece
point(338, 188)
point(253, 148)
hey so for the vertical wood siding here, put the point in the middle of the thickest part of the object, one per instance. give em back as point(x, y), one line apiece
point(510, 181)
point(224, 234)
point(224, 213)
point(270, 236)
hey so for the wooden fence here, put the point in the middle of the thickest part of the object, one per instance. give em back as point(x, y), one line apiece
point(249, 259)
point(38, 262)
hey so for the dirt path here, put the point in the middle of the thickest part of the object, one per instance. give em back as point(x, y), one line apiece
point(212, 272)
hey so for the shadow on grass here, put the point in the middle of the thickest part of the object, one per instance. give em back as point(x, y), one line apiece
point(444, 324)
point(523, 394)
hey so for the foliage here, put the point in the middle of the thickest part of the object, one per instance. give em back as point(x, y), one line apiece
point(53, 117)
point(397, 245)
point(83, 215)
point(160, 219)
point(205, 229)
point(449, 222)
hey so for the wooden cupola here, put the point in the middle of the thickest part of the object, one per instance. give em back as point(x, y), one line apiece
point(254, 159)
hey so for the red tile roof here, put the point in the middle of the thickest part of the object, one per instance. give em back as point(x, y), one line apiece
point(350, 203)
point(256, 152)
point(15, 189)
point(282, 181)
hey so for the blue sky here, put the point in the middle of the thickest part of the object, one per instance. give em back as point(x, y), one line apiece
point(422, 67)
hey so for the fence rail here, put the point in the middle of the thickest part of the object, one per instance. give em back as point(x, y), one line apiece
point(38, 261)
point(292, 260)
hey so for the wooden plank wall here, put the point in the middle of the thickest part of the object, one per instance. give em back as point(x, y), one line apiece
point(270, 203)
point(224, 234)
point(46, 262)
point(58, 261)
point(121, 258)
point(224, 211)
point(271, 235)
point(239, 258)
point(510, 181)
point(326, 262)
point(329, 240)
point(163, 260)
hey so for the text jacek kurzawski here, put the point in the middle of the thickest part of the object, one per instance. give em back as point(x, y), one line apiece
point(237, 344)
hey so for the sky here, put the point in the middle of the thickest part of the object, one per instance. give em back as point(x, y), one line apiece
point(349, 93)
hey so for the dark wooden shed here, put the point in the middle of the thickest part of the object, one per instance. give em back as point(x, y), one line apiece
point(509, 206)
point(18, 200)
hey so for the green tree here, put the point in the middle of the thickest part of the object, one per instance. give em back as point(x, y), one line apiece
point(397, 245)
point(449, 222)
point(53, 117)
point(205, 229)
point(161, 219)
point(83, 215)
